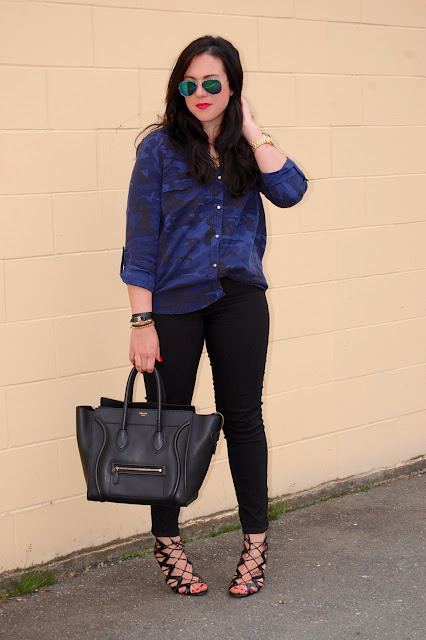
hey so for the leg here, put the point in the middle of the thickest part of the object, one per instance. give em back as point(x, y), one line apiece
point(181, 341)
point(237, 338)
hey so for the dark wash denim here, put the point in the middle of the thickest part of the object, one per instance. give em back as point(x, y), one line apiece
point(235, 330)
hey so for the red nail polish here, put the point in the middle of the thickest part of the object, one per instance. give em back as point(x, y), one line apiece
point(160, 359)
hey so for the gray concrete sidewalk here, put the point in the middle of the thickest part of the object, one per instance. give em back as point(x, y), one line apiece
point(348, 568)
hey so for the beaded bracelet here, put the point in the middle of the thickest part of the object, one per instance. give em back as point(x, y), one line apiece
point(151, 323)
point(137, 323)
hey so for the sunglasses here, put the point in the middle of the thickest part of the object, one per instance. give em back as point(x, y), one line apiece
point(188, 87)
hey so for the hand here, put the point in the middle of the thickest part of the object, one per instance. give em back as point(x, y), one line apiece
point(250, 129)
point(144, 349)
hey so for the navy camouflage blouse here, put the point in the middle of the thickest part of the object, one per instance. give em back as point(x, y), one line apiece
point(182, 237)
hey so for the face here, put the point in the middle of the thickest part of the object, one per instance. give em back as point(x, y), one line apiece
point(208, 108)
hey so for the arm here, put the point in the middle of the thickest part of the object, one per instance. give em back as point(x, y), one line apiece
point(144, 345)
point(284, 184)
point(141, 250)
point(143, 217)
point(267, 157)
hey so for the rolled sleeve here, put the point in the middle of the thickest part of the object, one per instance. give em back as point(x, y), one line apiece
point(143, 217)
point(285, 187)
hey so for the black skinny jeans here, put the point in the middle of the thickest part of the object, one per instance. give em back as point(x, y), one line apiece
point(235, 329)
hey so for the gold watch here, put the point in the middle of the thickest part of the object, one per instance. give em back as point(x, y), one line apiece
point(265, 138)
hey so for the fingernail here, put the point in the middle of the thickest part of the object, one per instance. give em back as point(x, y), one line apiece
point(160, 359)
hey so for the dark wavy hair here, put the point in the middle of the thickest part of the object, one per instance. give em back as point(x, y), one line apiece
point(238, 166)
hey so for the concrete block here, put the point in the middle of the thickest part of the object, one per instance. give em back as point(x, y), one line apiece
point(17, 111)
point(50, 161)
point(309, 148)
point(381, 298)
point(8, 558)
point(45, 410)
point(71, 480)
point(4, 434)
point(299, 362)
point(396, 393)
point(92, 342)
point(394, 199)
point(411, 13)
point(392, 51)
point(301, 258)
point(328, 100)
point(113, 291)
point(136, 52)
point(115, 158)
point(57, 285)
point(298, 466)
point(35, 34)
point(394, 101)
point(26, 226)
point(93, 99)
point(363, 350)
point(401, 248)
point(329, 10)
point(293, 46)
point(272, 98)
point(41, 480)
point(366, 448)
point(28, 352)
point(378, 150)
point(78, 222)
point(333, 204)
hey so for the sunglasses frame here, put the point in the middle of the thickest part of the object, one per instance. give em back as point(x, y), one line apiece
point(214, 93)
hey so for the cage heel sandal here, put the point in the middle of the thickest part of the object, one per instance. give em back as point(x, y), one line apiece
point(249, 575)
point(177, 569)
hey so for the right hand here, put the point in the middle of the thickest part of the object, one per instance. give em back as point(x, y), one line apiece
point(144, 349)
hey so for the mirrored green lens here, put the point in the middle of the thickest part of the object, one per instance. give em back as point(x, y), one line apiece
point(212, 86)
point(187, 88)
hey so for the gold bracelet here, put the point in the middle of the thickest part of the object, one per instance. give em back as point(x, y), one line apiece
point(140, 323)
point(143, 326)
point(265, 138)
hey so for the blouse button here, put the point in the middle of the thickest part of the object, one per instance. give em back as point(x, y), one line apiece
point(218, 206)
point(215, 265)
point(219, 177)
point(217, 235)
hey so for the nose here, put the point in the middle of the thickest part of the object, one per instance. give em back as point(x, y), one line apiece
point(200, 92)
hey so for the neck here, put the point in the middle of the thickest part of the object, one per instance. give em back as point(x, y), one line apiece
point(211, 131)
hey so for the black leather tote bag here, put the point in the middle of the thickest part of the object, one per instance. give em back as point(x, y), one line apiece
point(145, 453)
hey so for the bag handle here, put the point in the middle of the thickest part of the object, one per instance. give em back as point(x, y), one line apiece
point(122, 436)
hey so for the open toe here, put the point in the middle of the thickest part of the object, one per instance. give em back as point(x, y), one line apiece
point(249, 575)
point(178, 570)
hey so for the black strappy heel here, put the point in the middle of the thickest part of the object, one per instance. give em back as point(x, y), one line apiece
point(251, 579)
point(175, 577)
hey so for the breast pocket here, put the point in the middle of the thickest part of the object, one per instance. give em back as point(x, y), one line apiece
point(183, 198)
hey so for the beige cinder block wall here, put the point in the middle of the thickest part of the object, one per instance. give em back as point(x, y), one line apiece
point(340, 86)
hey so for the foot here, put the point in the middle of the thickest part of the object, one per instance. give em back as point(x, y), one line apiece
point(176, 567)
point(250, 573)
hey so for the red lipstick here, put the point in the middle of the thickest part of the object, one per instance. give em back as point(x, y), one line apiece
point(203, 105)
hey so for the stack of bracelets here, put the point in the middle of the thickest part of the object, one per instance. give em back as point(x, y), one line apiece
point(141, 320)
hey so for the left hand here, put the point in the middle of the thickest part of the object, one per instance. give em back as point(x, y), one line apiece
point(250, 129)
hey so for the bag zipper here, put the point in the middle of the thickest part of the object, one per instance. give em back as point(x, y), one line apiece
point(117, 469)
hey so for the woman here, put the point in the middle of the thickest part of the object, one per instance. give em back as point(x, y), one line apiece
point(193, 265)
